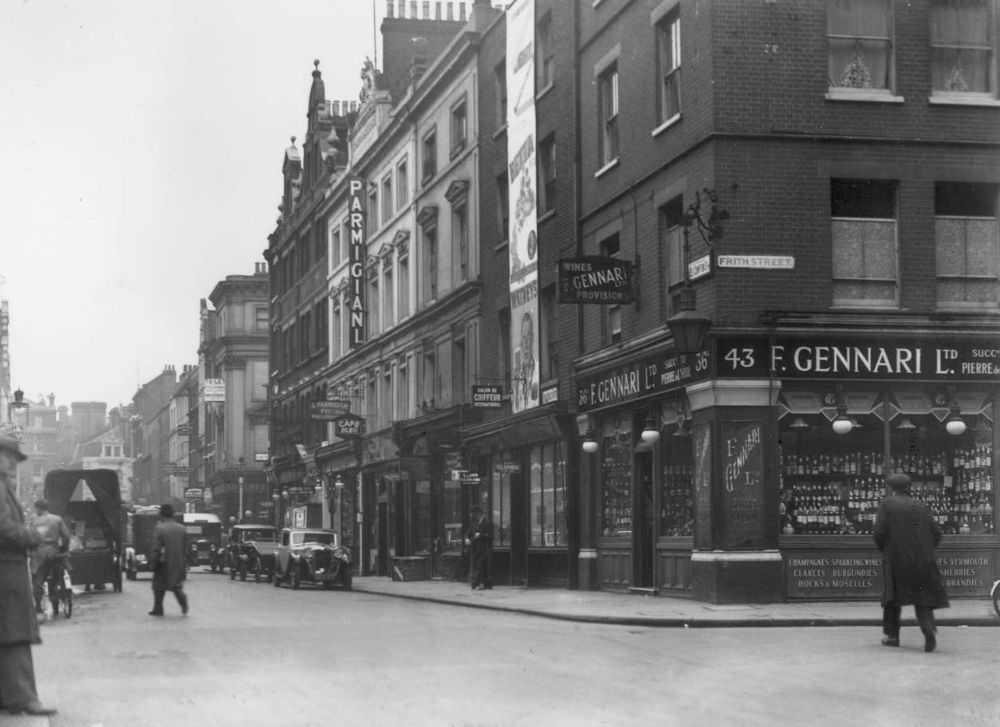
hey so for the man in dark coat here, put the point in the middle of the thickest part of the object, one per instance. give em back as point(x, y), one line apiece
point(18, 624)
point(167, 557)
point(907, 534)
point(480, 539)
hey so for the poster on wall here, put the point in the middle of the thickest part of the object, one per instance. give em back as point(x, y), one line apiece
point(522, 178)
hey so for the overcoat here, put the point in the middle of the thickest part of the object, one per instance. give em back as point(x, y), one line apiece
point(907, 535)
point(18, 623)
point(167, 555)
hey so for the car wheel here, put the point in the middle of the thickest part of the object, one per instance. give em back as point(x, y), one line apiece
point(258, 572)
point(294, 577)
point(243, 572)
point(232, 573)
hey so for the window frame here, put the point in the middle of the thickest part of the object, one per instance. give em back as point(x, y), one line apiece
point(428, 155)
point(548, 174)
point(993, 193)
point(459, 126)
point(988, 97)
point(608, 91)
point(854, 301)
point(545, 66)
point(858, 93)
point(668, 34)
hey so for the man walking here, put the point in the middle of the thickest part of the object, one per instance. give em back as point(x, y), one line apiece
point(167, 557)
point(55, 540)
point(18, 624)
point(907, 534)
point(480, 540)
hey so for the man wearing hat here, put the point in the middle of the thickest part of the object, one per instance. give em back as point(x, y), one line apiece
point(480, 541)
point(907, 534)
point(18, 623)
point(167, 557)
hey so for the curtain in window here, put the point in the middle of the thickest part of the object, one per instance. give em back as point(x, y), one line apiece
point(960, 45)
point(859, 34)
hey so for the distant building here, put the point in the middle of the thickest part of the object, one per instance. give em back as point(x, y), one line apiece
point(107, 451)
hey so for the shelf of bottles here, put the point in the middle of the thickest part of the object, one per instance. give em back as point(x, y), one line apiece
point(616, 475)
point(676, 503)
point(840, 494)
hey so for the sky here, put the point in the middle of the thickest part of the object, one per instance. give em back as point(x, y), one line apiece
point(140, 163)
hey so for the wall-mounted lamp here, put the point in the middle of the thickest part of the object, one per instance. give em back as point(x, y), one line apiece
point(585, 429)
point(906, 425)
point(842, 424)
point(651, 429)
point(798, 424)
point(589, 445)
point(954, 424)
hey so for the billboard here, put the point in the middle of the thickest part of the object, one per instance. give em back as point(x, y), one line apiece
point(523, 184)
point(356, 261)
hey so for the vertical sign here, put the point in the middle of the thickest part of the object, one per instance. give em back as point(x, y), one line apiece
point(356, 261)
point(703, 486)
point(522, 180)
point(743, 497)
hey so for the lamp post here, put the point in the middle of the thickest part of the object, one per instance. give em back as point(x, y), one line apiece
point(687, 327)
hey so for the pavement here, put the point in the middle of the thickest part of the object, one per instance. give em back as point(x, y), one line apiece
point(640, 609)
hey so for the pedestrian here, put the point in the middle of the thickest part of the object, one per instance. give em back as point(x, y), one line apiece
point(907, 534)
point(18, 624)
point(480, 541)
point(55, 542)
point(167, 557)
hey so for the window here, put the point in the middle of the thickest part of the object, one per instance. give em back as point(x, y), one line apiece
point(547, 167)
point(460, 241)
point(260, 322)
point(385, 399)
point(962, 47)
point(864, 242)
point(402, 185)
point(859, 35)
point(549, 333)
point(320, 317)
point(402, 404)
point(965, 230)
point(505, 347)
point(545, 63)
point(458, 366)
point(668, 66)
point(500, 83)
point(387, 198)
point(258, 373)
point(548, 496)
point(429, 156)
point(305, 331)
point(319, 240)
point(607, 99)
point(503, 206)
point(672, 240)
point(388, 293)
point(335, 248)
point(459, 127)
point(430, 273)
point(616, 480)
point(611, 247)
point(373, 301)
point(337, 334)
point(429, 389)
point(372, 209)
point(404, 282)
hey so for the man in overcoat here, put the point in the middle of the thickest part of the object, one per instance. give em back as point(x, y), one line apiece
point(18, 623)
point(907, 535)
point(167, 557)
point(480, 538)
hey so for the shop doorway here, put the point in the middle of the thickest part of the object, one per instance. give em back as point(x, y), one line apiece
point(642, 522)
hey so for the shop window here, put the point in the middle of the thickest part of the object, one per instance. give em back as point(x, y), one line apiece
point(677, 485)
point(548, 496)
point(863, 223)
point(500, 503)
point(859, 38)
point(422, 523)
point(616, 481)
point(963, 48)
point(451, 514)
point(832, 484)
point(965, 230)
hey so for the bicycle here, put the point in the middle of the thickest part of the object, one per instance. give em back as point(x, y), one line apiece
point(59, 587)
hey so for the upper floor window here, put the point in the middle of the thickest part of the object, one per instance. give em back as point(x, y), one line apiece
point(428, 149)
point(963, 50)
point(403, 277)
point(611, 247)
point(388, 294)
point(337, 329)
point(607, 99)
point(402, 185)
point(500, 83)
point(865, 270)
point(503, 206)
point(428, 253)
point(672, 240)
point(459, 126)
point(387, 197)
point(859, 36)
point(547, 171)
point(668, 66)
point(260, 321)
point(372, 208)
point(373, 315)
point(545, 61)
point(335, 250)
point(965, 231)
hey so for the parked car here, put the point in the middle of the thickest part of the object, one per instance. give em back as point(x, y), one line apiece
point(250, 549)
point(312, 555)
point(203, 533)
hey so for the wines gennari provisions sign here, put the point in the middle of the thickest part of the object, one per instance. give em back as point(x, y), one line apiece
point(599, 280)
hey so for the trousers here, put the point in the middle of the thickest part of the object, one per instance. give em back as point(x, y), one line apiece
point(159, 593)
point(17, 676)
point(891, 612)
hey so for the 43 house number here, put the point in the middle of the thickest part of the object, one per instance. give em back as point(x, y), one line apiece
point(741, 358)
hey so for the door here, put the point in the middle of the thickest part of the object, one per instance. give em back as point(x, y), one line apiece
point(642, 522)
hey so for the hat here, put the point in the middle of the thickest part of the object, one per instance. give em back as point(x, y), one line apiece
point(899, 481)
point(11, 444)
point(166, 510)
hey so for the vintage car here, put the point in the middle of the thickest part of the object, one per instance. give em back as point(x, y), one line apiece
point(312, 555)
point(202, 536)
point(250, 549)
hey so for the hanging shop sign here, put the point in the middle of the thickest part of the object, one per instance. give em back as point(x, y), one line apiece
point(598, 280)
point(858, 358)
point(349, 426)
point(213, 390)
point(699, 267)
point(193, 493)
point(487, 396)
point(328, 411)
point(356, 261)
point(646, 376)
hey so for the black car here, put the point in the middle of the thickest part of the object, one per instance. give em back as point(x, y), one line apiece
point(249, 549)
point(312, 555)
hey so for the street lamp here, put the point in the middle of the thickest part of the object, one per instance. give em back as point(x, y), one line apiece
point(687, 327)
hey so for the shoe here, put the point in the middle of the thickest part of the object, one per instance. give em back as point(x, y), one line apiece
point(184, 608)
point(890, 641)
point(33, 708)
point(156, 613)
point(930, 641)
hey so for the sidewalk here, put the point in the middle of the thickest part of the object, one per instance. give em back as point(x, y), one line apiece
point(664, 611)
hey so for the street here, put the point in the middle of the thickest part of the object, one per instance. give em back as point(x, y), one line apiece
point(250, 654)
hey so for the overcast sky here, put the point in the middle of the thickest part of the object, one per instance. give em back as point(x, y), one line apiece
point(141, 147)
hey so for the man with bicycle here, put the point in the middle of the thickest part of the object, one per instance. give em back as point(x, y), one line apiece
point(54, 542)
